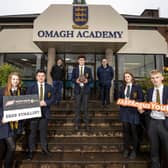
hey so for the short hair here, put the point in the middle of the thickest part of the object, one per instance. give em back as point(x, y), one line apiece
point(40, 71)
point(155, 71)
point(81, 56)
point(103, 59)
point(59, 59)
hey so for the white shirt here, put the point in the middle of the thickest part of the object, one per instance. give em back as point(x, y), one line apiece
point(157, 114)
point(83, 67)
point(125, 91)
point(39, 84)
point(14, 89)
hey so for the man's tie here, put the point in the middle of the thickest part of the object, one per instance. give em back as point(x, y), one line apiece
point(41, 92)
point(81, 70)
point(128, 91)
point(157, 96)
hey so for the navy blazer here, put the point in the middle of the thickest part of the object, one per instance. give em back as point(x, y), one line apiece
point(5, 130)
point(75, 75)
point(105, 75)
point(131, 114)
point(48, 97)
point(164, 96)
point(164, 99)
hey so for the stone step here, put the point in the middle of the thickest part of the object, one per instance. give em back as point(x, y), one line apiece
point(91, 104)
point(93, 126)
point(94, 131)
point(91, 109)
point(97, 116)
point(70, 113)
point(69, 131)
point(83, 144)
point(92, 123)
point(80, 160)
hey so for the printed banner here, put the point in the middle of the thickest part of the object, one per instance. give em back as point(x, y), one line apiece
point(143, 105)
point(21, 107)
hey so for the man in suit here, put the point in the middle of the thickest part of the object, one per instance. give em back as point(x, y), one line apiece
point(105, 75)
point(81, 77)
point(158, 120)
point(46, 97)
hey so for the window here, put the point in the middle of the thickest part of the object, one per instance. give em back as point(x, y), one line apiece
point(27, 63)
point(139, 65)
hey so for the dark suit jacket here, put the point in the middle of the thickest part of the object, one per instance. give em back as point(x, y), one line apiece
point(5, 130)
point(131, 114)
point(75, 75)
point(164, 97)
point(105, 75)
point(48, 97)
point(164, 100)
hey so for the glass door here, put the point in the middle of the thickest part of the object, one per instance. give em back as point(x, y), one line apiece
point(69, 86)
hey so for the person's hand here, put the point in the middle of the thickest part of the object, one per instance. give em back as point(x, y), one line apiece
point(166, 114)
point(85, 81)
point(3, 122)
point(43, 103)
point(78, 81)
point(141, 110)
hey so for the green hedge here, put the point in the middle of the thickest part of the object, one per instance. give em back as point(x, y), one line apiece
point(5, 70)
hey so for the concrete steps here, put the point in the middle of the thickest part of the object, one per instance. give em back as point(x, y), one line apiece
point(100, 147)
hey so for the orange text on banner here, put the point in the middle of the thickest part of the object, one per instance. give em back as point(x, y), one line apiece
point(143, 105)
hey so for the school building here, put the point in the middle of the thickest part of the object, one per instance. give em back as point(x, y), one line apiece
point(130, 43)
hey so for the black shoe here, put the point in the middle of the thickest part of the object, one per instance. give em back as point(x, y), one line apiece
point(125, 153)
point(132, 155)
point(29, 155)
point(46, 152)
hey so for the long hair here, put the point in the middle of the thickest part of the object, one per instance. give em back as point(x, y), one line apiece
point(133, 79)
point(9, 83)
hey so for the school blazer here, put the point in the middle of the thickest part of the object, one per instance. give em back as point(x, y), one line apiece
point(48, 97)
point(75, 75)
point(164, 100)
point(131, 114)
point(5, 130)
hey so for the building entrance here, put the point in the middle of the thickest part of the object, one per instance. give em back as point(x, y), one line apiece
point(70, 60)
point(69, 86)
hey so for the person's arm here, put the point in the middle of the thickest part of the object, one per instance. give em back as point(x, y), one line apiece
point(140, 97)
point(29, 90)
point(98, 73)
point(112, 73)
point(91, 77)
point(73, 78)
point(52, 72)
point(141, 110)
point(1, 105)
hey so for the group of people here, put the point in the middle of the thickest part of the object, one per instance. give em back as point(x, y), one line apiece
point(9, 131)
point(156, 121)
point(82, 79)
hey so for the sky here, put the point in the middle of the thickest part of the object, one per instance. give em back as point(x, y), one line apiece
point(132, 7)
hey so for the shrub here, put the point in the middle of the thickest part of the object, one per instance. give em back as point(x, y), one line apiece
point(5, 70)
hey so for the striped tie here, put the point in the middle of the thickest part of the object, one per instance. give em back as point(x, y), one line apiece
point(128, 91)
point(157, 96)
point(41, 92)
